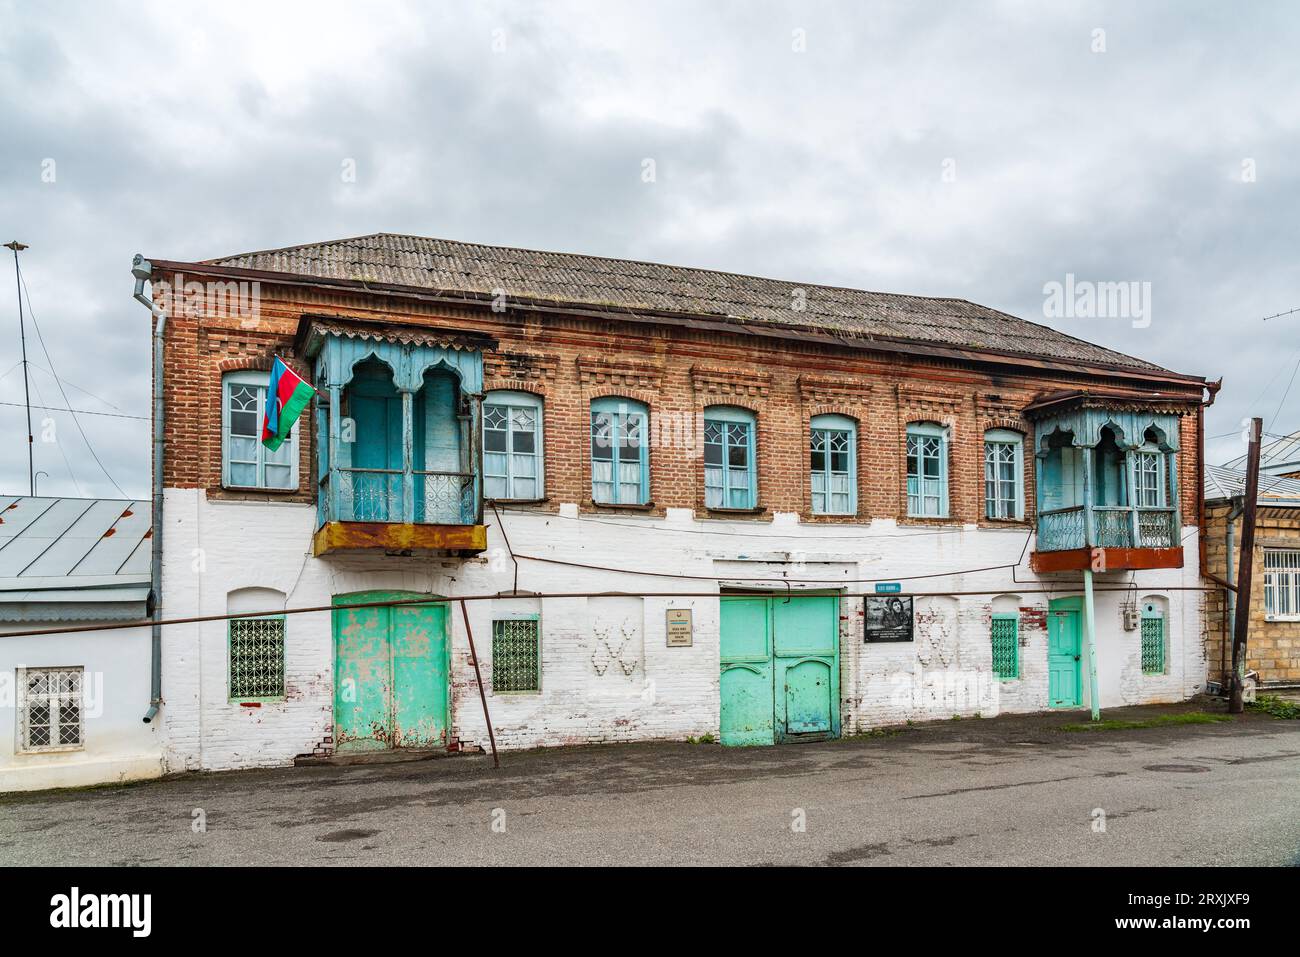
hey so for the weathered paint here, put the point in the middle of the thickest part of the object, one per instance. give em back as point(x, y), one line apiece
point(1064, 650)
point(399, 537)
point(780, 669)
point(390, 684)
point(1117, 559)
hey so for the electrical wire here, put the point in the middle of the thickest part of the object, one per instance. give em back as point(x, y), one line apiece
point(40, 338)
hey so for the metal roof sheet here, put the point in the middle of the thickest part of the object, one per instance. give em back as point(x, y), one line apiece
point(73, 542)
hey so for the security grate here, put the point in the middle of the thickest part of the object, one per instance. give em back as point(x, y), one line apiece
point(1153, 644)
point(256, 658)
point(515, 655)
point(1005, 635)
point(51, 713)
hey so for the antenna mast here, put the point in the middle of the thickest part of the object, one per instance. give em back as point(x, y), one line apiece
point(17, 247)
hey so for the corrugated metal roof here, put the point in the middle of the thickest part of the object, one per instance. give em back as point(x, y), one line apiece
point(620, 284)
point(1222, 482)
point(73, 542)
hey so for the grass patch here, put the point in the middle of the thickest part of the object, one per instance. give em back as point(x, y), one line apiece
point(702, 739)
point(1278, 708)
point(1191, 717)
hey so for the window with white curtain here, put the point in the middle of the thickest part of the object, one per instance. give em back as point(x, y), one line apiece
point(245, 461)
point(1003, 474)
point(730, 476)
point(512, 446)
point(620, 458)
point(927, 471)
point(833, 465)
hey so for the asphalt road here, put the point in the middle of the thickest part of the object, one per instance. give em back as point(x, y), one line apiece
point(996, 791)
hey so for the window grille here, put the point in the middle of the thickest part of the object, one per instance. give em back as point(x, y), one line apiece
point(1006, 646)
point(256, 658)
point(516, 655)
point(1281, 583)
point(1153, 641)
point(51, 712)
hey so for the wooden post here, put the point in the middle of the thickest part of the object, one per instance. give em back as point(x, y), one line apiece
point(1241, 625)
point(478, 675)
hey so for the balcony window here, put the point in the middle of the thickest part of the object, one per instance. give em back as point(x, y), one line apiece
point(1148, 469)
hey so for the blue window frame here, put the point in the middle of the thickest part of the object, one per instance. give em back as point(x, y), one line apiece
point(730, 476)
point(245, 461)
point(833, 441)
point(620, 455)
point(512, 446)
point(1004, 487)
point(927, 471)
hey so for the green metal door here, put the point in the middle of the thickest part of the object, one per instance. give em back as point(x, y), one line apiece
point(748, 713)
point(1064, 653)
point(390, 674)
point(780, 669)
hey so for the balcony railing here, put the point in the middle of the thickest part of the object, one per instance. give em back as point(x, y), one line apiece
point(1112, 526)
point(379, 495)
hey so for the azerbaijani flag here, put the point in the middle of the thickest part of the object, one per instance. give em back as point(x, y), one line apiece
point(286, 397)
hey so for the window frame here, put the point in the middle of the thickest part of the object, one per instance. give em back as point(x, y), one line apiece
point(260, 381)
point(22, 724)
point(511, 400)
point(826, 424)
point(725, 415)
point(921, 431)
point(1161, 482)
point(1153, 612)
point(509, 617)
point(1290, 572)
point(230, 659)
point(620, 408)
point(1014, 618)
point(1006, 437)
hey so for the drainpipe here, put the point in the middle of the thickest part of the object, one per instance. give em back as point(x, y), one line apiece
point(1230, 535)
point(142, 270)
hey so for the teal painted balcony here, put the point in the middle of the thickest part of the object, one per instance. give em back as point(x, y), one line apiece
point(397, 437)
point(1107, 477)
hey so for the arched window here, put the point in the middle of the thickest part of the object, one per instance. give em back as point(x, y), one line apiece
point(1004, 483)
point(1149, 473)
point(833, 442)
point(927, 470)
point(513, 462)
point(256, 660)
point(730, 474)
point(620, 454)
point(245, 461)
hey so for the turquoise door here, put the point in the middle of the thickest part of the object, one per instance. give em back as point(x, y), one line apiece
point(748, 711)
point(1064, 653)
point(390, 674)
point(780, 669)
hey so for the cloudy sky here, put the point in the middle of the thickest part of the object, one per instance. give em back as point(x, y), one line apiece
point(977, 150)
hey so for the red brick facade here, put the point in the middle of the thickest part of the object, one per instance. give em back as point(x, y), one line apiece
point(676, 371)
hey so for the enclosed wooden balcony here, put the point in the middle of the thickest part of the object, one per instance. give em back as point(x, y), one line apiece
point(397, 438)
point(1107, 471)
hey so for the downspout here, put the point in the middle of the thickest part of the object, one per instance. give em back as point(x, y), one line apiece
point(1230, 535)
point(142, 270)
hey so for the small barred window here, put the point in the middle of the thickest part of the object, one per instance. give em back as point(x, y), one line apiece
point(50, 711)
point(1153, 641)
point(516, 655)
point(256, 658)
point(1006, 646)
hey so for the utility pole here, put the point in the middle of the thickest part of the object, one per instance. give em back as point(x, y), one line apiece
point(17, 247)
point(1241, 622)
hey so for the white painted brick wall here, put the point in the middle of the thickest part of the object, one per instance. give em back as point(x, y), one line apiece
point(669, 692)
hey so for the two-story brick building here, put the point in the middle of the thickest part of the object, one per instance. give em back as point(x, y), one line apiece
point(818, 510)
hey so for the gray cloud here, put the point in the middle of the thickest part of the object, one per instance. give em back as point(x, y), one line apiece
point(207, 134)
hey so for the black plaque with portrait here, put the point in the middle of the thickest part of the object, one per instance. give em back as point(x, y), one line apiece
point(887, 618)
